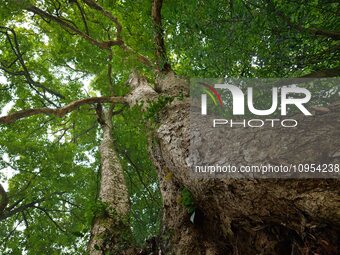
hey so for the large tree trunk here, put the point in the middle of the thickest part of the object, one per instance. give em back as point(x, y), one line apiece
point(110, 224)
point(243, 216)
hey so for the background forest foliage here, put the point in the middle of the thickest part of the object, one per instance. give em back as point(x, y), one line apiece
point(49, 166)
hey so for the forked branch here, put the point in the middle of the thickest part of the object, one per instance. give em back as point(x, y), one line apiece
point(71, 28)
point(92, 4)
point(107, 44)
point(59, 112)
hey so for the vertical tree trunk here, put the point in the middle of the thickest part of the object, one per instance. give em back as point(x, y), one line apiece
point(244, 216)
point(110, 228)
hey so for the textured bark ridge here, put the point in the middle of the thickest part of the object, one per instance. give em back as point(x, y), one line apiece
point(244, 216)
point(142, 92)
point(110, 223)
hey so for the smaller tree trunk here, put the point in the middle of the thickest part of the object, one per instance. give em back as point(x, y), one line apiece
point(110, 229)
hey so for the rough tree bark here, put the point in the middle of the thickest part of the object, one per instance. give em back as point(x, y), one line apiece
point(110, 223)
point(243, 216)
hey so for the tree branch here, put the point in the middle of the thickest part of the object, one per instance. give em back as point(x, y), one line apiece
point(137, 170)
point(59, 112)
point(143, 59)
point(10, 207)
point(4, 199)
point(50, 217)
point(101, 44)
point(316, 31)
point(25, 72)
point(82, 13)
point(67, 26)
point(162, 60)
point(109, 73)
point(25, 219)
point(92, 4)
point(21, 208)
point(332, 72)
